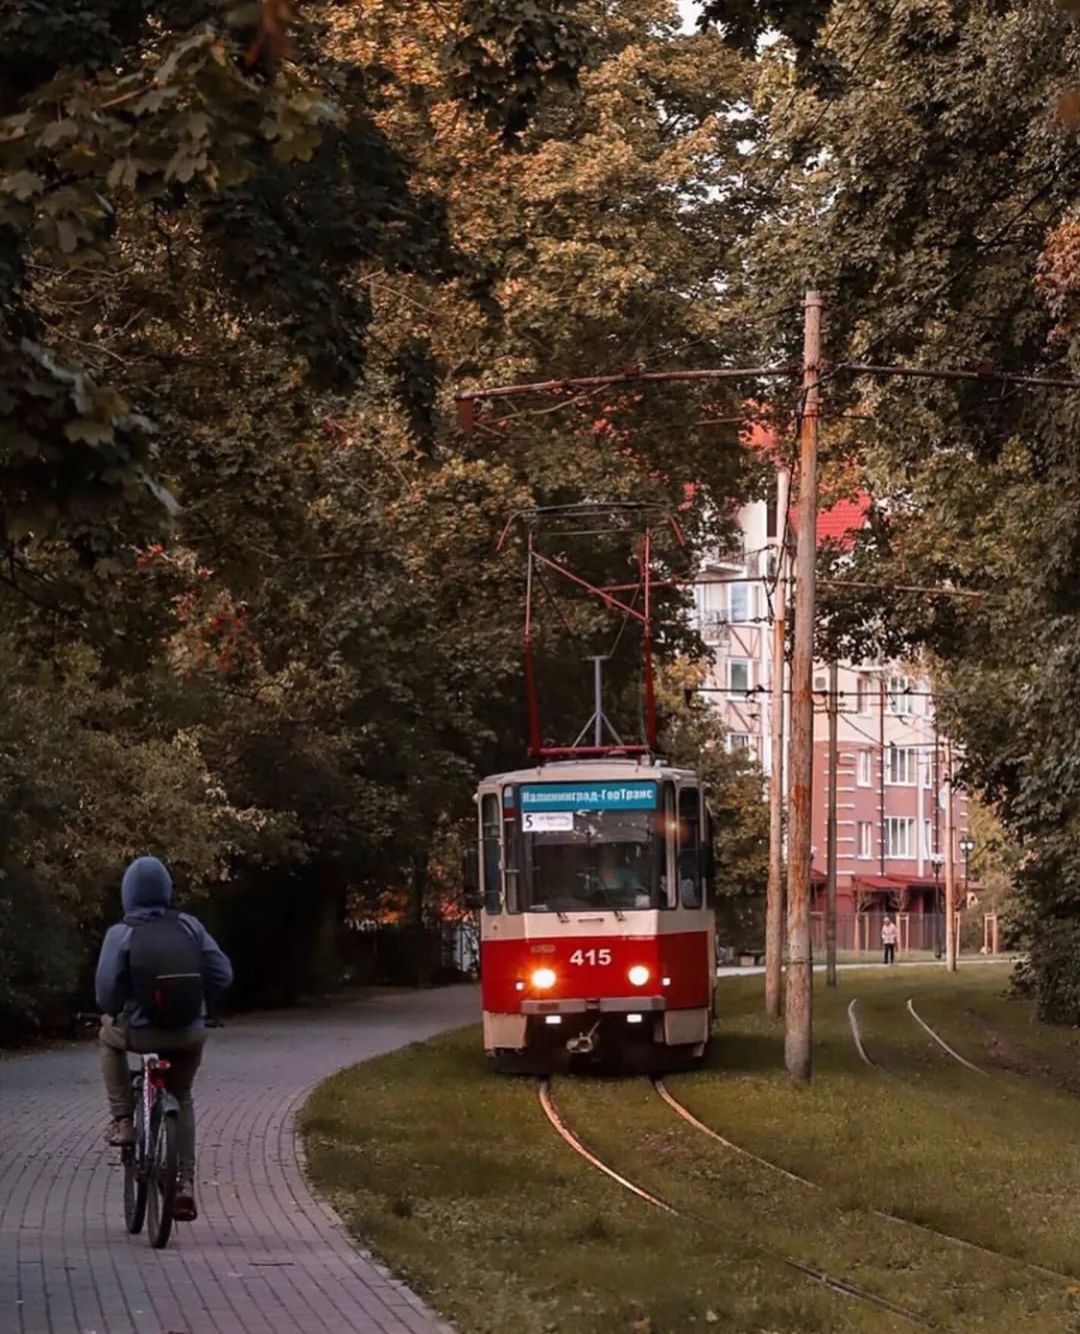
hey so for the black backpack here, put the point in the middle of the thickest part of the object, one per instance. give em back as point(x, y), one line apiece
point(165, 960)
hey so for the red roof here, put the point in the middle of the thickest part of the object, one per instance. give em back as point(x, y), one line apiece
point(840, 522)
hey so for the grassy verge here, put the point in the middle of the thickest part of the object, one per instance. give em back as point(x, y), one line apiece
point(455, 1178)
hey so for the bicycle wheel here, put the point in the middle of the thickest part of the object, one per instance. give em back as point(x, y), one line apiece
point(163, 1168)
point(135, 1172)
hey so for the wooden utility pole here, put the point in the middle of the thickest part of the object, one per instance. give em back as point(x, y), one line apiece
point(830, 839)
point(774, 894)
point(950, 865)
point(798, 994)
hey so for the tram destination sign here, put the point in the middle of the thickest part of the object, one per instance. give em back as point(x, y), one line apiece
point(537, 797)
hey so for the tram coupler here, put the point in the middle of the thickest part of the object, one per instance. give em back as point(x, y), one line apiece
point(583, 1044)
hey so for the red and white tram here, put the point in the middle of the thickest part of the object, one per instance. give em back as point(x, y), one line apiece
point(593, 875)
point(597, 934)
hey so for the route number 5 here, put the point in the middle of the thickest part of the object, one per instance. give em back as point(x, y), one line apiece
point(591, 956)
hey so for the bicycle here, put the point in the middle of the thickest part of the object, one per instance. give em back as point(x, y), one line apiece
point(152, 1163)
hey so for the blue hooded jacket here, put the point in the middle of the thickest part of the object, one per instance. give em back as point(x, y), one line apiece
point(146, 891)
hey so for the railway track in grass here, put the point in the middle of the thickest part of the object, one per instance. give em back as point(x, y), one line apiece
point(841, 1287)
point(961, 1242)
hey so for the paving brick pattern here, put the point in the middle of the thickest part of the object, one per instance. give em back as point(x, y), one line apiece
point(266, 1256)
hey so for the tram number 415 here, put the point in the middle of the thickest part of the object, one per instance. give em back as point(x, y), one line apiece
point(591, 956)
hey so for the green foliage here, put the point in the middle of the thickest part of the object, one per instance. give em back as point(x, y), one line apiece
point(256, 615)
point(734, 784)
point(957, 250)
point(508, 53)
point(1051, 973)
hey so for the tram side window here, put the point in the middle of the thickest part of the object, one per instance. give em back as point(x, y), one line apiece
point(665, 826)
point(512, 858)
point(690, 848)
point(489, 824)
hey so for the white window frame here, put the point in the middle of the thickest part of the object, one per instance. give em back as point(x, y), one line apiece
point(863, 773)
point(910, 767)
point(737, 741)
point(740, 616)
point(900, 702)
point(865, 836)
point(928, 838)
point(863, 692)
point(893, 824)
point(732, 663)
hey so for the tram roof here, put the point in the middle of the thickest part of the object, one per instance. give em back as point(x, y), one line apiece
point(603, 770)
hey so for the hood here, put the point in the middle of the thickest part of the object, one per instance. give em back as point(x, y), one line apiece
point(146, 885)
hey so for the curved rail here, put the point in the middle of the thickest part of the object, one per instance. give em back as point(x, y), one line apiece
point(941, 1041)
point(856, 1033)
point(962, 1242)
point(838, 1285)
point(565, 1133)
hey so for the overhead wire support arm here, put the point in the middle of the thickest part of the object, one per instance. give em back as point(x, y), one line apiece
point(988, 376)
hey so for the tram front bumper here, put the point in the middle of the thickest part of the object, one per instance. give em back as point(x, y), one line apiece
point(602, 1005)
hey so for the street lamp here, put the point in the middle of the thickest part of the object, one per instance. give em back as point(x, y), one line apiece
point(967, 847)
point(937, 861)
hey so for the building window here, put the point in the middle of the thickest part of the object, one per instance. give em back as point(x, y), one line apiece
point(739, 741)
point(863, 693)
point(709, 613)
point(739, 675)
point(862, 768)
point(866, 839)
point(928, 838)
point(928, 772)
point(739, 603)
point(903, 766)
point(900, 836)
point(900, 695)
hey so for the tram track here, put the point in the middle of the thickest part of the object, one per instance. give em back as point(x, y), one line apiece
point(898, 1220)
point(941, 1041)
point(841, 1287)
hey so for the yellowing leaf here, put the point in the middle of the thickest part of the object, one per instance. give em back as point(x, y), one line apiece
point(89, 431)
point(22, 184)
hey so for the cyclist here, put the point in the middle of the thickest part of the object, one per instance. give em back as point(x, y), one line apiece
point(156, 973)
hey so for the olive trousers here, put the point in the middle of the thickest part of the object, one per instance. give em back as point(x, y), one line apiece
point(183, 1049)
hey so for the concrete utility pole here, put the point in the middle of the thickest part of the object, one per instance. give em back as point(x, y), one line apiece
point(830, 844)
point(950, 865)
point(798, 1009)
point(774, 894)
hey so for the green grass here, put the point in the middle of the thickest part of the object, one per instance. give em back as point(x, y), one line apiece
point(454, 1177)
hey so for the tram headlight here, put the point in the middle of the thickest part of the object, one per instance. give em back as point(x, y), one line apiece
point(543, 979)
point(638, 975)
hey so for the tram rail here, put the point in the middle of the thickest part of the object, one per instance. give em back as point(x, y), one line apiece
point(842, 1287)
point(961, 1242)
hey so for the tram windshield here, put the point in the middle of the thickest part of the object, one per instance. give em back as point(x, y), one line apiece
point(589, 857)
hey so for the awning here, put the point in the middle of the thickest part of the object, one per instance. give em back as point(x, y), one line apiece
point(892, 883)
point(887, 882)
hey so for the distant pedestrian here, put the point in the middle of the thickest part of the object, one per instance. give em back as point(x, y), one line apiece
point(888, 940)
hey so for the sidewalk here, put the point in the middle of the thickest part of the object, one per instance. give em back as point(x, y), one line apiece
point(266, 1256)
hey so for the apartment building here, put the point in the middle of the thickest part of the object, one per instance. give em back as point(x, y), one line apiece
point(891, 779)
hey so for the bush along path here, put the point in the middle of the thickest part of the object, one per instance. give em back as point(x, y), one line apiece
point(265, 1255)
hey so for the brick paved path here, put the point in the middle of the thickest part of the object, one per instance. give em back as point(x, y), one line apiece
point(265, 1255)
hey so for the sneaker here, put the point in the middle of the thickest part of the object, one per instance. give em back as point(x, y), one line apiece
point(121, 1133)
point(184, 1210)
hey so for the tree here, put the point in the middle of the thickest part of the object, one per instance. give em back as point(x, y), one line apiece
point(258, 280)
point(953, 252)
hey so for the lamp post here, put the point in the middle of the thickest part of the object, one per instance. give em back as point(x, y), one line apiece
point(967, 847)
point(937, 861)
